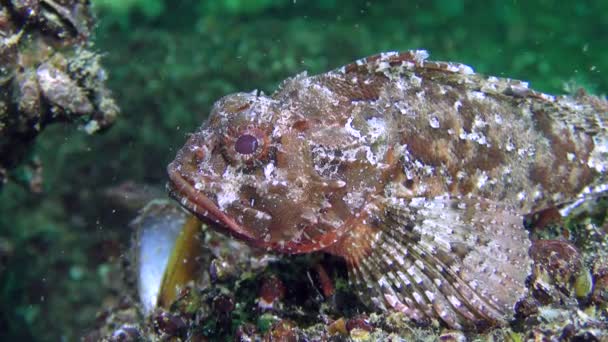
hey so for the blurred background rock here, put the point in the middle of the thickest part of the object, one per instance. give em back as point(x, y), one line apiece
point(168, 61)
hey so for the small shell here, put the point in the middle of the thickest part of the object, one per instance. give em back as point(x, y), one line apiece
point(60, 90)
point(558, 265)
point(558, 257)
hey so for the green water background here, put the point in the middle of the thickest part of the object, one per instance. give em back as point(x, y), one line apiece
point(168, 61)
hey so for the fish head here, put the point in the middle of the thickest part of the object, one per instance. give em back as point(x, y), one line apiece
point(250, 171)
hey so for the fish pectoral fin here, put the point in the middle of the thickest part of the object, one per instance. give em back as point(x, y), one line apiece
point(461, 260)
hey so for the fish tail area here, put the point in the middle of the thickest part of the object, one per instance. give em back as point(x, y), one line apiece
point(463, 261)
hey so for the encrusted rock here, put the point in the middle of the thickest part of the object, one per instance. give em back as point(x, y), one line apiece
point(47, 75)
point(559, 267)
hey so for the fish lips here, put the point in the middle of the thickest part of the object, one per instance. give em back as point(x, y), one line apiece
point(196, 201)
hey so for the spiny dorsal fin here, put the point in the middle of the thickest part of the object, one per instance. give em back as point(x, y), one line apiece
point(463, 260)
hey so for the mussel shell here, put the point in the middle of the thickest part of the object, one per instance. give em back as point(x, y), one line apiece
point(165, 253)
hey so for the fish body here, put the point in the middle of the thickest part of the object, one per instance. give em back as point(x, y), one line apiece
point(418, 173)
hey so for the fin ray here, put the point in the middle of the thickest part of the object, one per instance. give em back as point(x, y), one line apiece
point(462, 260)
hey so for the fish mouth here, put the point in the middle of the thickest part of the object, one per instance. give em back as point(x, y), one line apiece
point(202, 206)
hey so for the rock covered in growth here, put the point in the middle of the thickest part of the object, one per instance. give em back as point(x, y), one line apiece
point(558, 267)
point(223, 310)
point(48, 74)
point(417, 173)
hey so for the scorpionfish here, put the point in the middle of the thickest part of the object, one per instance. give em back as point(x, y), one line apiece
point(418, 173)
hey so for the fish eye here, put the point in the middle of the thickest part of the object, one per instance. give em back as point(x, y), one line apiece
point(246, 144)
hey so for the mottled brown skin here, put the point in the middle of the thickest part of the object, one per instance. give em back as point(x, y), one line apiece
point(418, 173)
